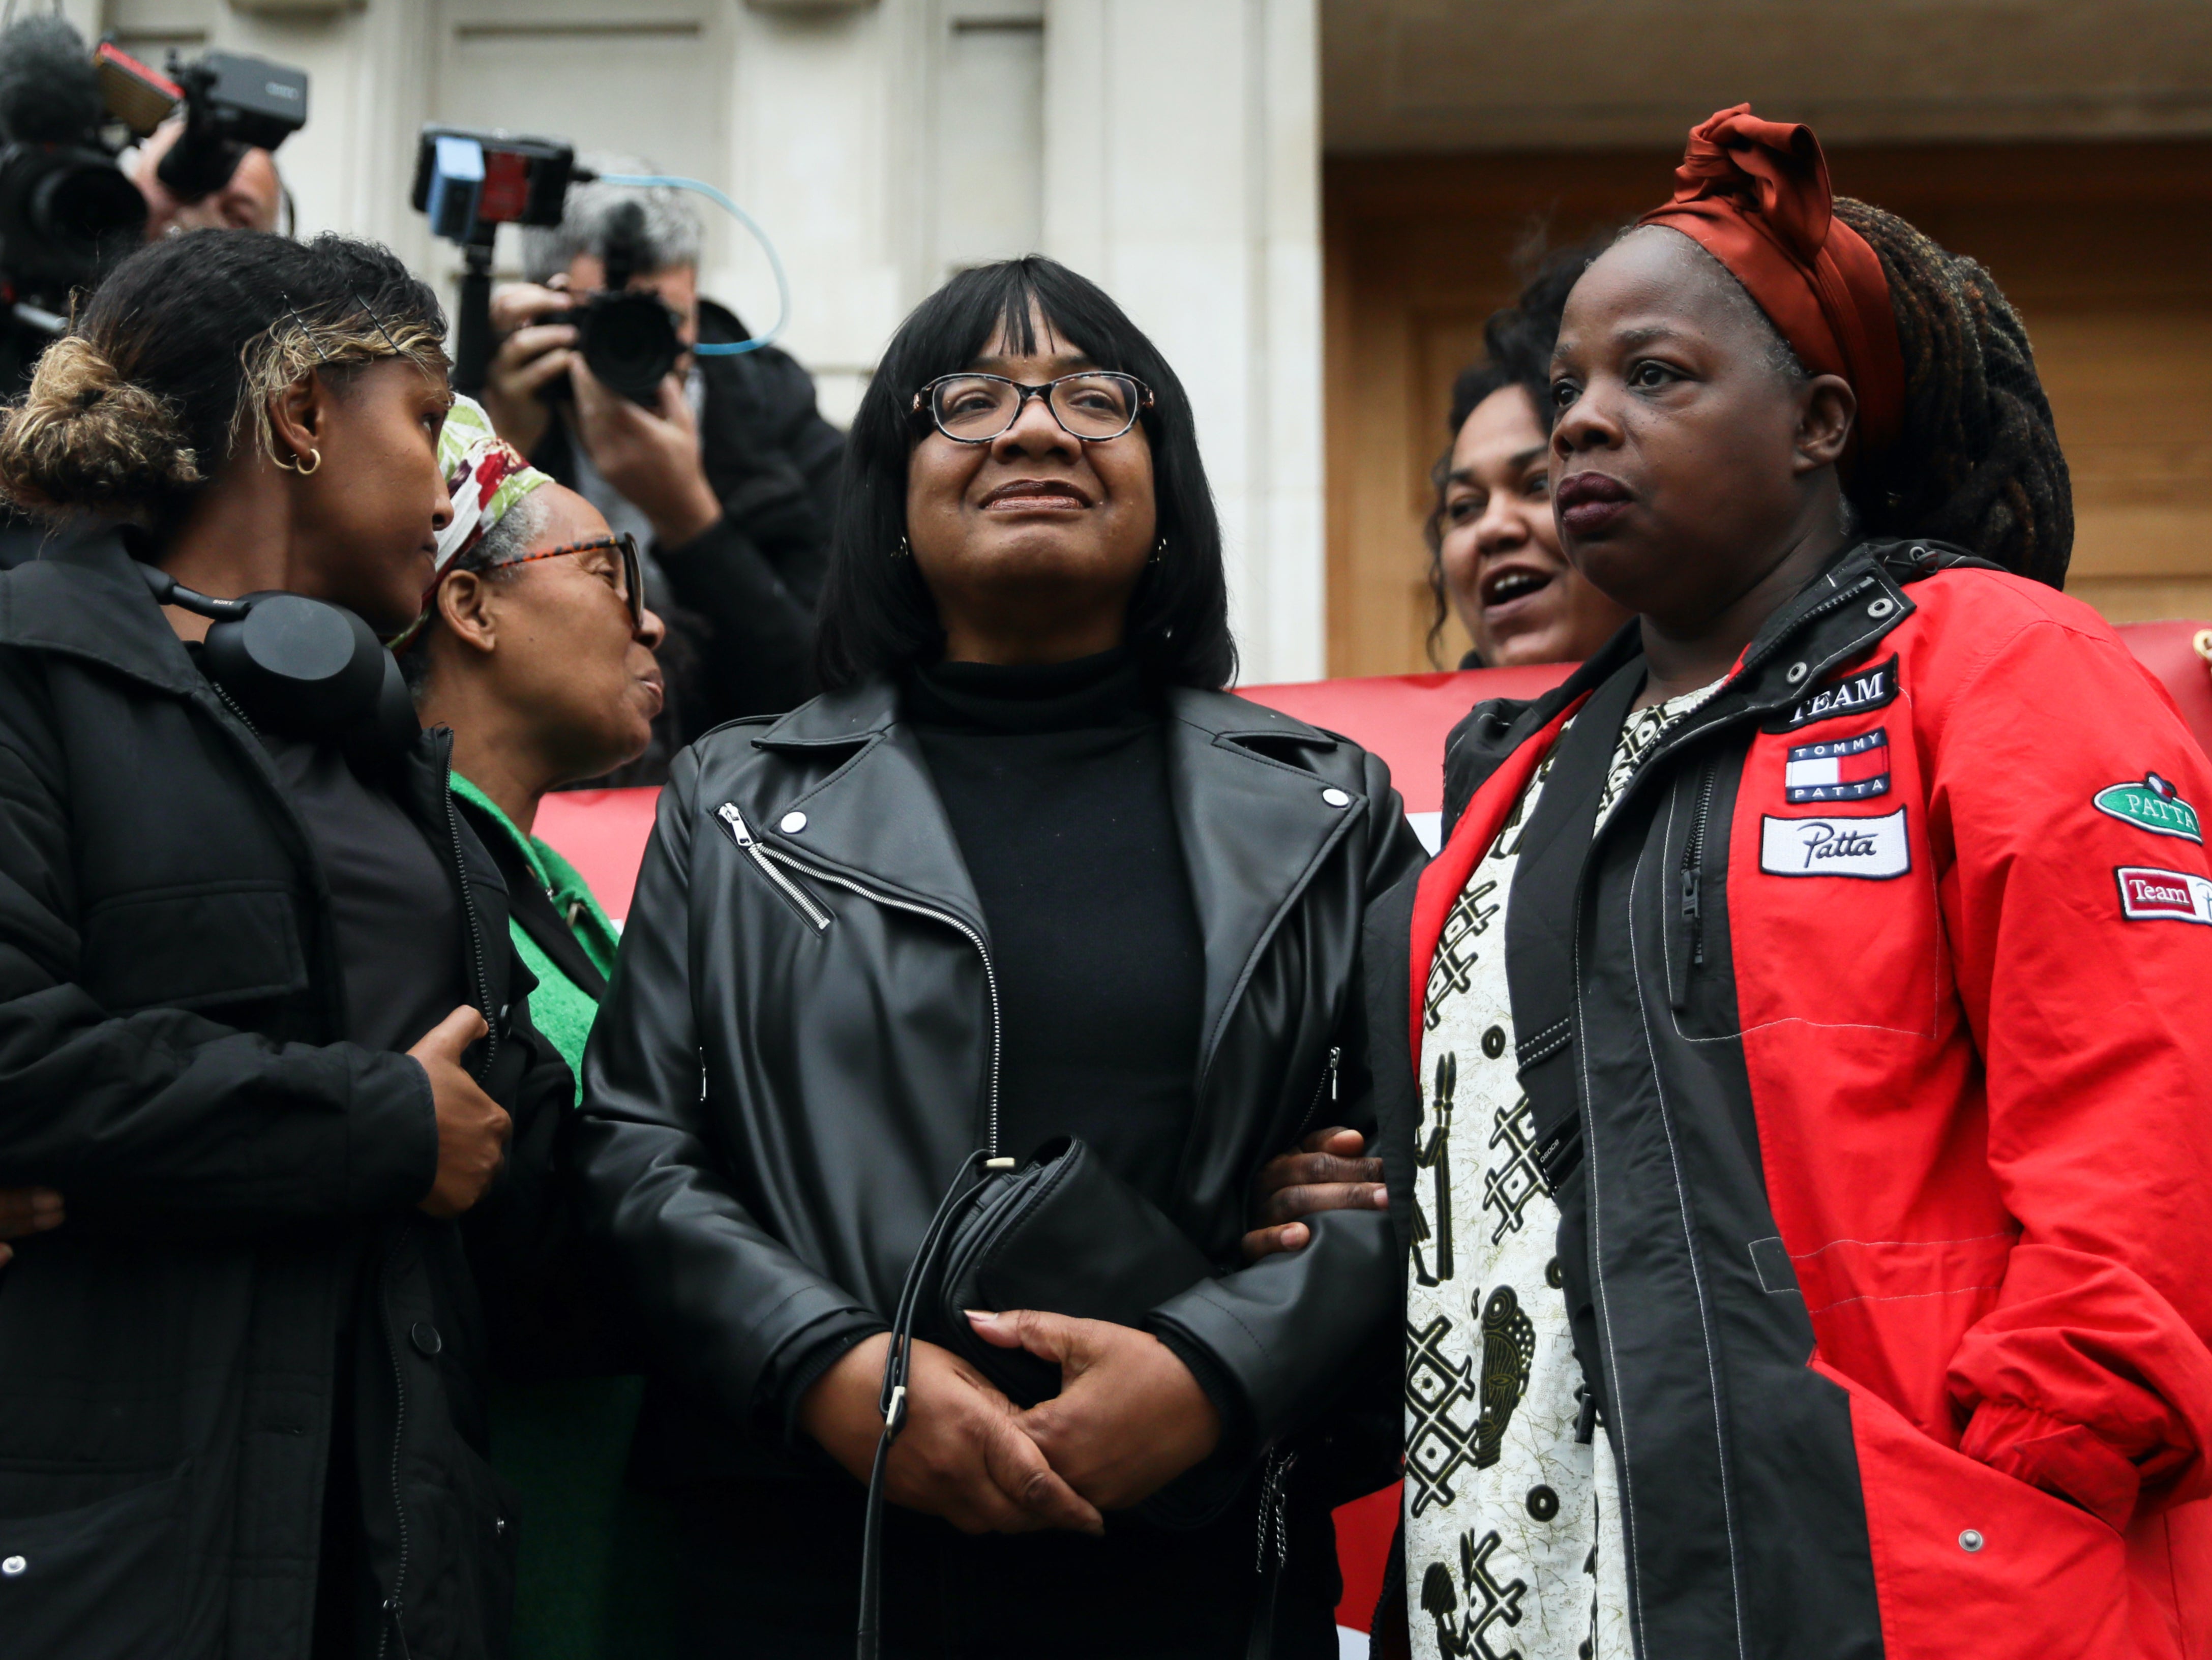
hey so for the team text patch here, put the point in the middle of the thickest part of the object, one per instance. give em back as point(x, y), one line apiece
point(2153, 805)
point(1848, 769)
point(2164, 896)
point(1874, 849)
point(1851, 694)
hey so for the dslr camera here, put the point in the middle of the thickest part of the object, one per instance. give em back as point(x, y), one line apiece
point(627, 337)
point(67, 212)
point(469, 183)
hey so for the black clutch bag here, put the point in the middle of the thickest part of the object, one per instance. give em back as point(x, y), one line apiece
point(1063, 1234)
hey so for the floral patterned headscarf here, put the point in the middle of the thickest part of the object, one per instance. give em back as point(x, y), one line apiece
point(487, 475)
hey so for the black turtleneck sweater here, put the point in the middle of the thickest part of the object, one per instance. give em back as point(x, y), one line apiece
point(1055, 781)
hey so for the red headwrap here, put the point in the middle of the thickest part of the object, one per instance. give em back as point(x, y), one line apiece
point(1754, 194)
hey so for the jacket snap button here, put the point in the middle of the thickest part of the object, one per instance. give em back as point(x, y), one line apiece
point(1797, 672)
point(791, 822)
point(13, 1566)
point(424, 1336)
point(1335, 797)
point(1971, 1541)
point(1881, 607)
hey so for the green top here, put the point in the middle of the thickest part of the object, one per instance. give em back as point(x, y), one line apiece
point(560, 1008)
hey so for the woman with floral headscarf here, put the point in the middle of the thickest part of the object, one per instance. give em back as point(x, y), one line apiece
point(535, 648)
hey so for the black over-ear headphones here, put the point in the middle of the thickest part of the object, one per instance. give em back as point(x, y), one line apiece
point(300, 667)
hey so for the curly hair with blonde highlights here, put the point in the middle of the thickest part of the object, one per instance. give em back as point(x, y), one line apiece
point(179, 355)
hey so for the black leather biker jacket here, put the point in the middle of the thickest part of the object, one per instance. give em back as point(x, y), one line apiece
point(800, 1046)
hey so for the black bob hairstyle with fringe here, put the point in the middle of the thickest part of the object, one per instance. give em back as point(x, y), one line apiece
point(877, 615)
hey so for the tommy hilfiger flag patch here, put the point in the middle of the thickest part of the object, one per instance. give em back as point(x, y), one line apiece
point(1845, 769)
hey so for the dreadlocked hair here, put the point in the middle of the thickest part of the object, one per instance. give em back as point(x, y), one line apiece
point(173, 365)
point(1977, 462)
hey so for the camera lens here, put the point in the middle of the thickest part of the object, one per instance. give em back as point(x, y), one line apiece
point(82, 206)
point(629, 341)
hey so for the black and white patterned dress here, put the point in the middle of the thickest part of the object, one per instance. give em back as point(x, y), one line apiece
point(1512, 1545)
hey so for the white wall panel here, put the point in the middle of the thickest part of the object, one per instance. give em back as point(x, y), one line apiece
point(1181, 174)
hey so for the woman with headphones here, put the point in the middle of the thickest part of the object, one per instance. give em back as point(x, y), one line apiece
point(260, 1018)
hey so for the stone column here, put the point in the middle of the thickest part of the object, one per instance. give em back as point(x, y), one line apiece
point(1182, 173)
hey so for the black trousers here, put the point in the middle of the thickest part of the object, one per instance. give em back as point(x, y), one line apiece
point(773, 1568)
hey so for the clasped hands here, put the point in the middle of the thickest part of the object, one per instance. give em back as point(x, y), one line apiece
point(1129, 1418)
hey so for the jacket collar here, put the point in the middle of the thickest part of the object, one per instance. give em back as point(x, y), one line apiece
point(1858, 599)
point(1254, 825)
point(875, 820)
point(82, 597)
point(1834, 617)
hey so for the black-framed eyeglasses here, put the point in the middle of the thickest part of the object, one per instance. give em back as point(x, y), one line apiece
point(628, 582)
point(1094, 407)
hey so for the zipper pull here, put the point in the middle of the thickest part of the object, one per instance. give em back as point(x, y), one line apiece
point(1585, 1414)
point(729, 815)
point(392, 1607)
point(1690, 911)
point(1335, 1054)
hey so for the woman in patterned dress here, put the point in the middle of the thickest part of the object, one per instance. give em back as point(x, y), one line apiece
point(1799, 1133)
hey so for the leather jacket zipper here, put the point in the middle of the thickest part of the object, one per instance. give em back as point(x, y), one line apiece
point(914, 908)
point(765, 859)
point(1274, 1506)
point(1327, 1087)
point(1272, 1550)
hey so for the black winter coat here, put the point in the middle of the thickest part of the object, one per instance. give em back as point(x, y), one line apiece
point(237, 1180)
point(799, 1051)
point(743, 635)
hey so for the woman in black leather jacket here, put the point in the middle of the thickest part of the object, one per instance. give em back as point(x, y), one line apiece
point(1025, 872)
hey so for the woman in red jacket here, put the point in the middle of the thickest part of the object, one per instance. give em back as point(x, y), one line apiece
point(1803, 1134)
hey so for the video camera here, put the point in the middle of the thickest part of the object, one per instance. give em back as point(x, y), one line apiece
point(471, 183)
point(67, 212)
point(233, 103)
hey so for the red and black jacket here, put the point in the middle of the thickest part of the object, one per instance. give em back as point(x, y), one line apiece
point(1870, 1051)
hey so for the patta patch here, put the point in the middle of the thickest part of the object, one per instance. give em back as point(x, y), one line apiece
point(1874, 849)
point(1848, 769)
point(1849, 694)
point(2164, 896)
point(2151, 805)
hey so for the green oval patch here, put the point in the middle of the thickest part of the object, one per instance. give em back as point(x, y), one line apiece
point(2151, 805)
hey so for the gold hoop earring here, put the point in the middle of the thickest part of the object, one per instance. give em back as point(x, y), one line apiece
point(306, 472)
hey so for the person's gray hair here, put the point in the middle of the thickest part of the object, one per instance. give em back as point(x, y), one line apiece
point(518, 529)
point(670, 235)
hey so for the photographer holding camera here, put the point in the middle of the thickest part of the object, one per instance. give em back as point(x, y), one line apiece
point(252, 199)
point(727, 475)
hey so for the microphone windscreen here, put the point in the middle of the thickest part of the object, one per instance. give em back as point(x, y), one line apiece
point(49, 93)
